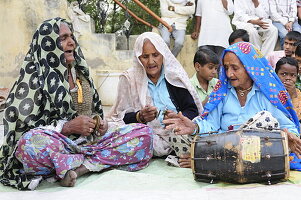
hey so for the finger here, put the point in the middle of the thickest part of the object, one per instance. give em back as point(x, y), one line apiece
point(298, 150)
point(170, 121)
point(170, 126)
point(91, 124)
point(184, 156)
point(171, 115)
point(185, 165)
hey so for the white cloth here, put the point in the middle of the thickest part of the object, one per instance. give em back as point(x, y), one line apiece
point(283, 11)
point(179, 16)
point(263, 39)
point(133, 92)
point(215, 23)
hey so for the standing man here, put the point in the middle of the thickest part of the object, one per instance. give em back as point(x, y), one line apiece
point(253, 16)
point(175, 13)
point(213, 25)
point(284, 16)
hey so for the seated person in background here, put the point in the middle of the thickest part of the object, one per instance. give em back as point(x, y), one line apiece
point(156, 85)
point(253, 16)
point(287, 70)
point(289, 48)
point(48, 125)
point(239, 35)
point(206, 64)
point(284, 16)
point(248, 87)
point(175, 13)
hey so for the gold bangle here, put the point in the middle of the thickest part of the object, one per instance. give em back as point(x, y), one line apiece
point(138, 118)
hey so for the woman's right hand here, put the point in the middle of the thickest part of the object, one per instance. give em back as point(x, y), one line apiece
point(291, 88)
point(148, 113)
point(180, 124)
point(82, 125)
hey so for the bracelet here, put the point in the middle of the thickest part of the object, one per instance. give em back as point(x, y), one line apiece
point(138, 118)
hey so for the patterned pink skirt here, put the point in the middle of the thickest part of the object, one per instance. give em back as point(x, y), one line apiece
point(49, 153)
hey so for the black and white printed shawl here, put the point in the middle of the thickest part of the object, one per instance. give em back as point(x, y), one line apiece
point(39, 97)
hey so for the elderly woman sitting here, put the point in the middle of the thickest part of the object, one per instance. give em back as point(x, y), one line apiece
point(155, 86)
point(248, 85)
point(48, 125)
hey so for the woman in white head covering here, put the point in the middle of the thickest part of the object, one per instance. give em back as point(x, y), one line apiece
point(155, 85)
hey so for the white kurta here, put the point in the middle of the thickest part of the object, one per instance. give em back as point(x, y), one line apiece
point(215, 25)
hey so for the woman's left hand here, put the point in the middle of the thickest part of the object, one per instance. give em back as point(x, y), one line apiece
point(103, 127)
point(294, 143)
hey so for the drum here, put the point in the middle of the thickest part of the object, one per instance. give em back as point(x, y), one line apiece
point(241, 156)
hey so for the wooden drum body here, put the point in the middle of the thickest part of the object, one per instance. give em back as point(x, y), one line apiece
point(241, 156)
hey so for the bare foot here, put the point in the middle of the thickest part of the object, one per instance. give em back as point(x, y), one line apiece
point(185, 161)
point(69, 180)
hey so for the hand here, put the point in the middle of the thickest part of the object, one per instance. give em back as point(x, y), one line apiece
point(185, 161)
point(290, 87)
point(169, 114)
point(103, 127)
point(294, 143)
point(82, 125)
point(195, 35)
point(260, 23)
point(180, 124)
point(148, 113)
point(289, 26)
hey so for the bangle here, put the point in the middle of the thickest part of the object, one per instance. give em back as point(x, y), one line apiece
point(138, 118)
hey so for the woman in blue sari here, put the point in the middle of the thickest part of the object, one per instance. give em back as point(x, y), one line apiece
point(248, 87)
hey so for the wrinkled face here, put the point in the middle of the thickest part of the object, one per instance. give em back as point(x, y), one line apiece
point(236, 72)
point(207, 71)
point(152, 61)
point(67, 43)
point(287, 74)
point(289, 48)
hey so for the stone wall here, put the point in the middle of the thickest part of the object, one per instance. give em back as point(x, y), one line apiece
point(18, 21)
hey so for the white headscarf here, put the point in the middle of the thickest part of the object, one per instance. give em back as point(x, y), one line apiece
point(133, 84)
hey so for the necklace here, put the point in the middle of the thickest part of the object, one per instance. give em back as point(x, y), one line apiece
point(242, 92)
